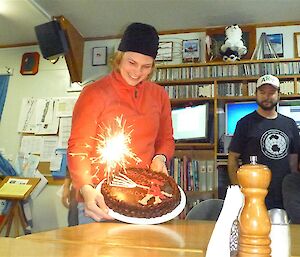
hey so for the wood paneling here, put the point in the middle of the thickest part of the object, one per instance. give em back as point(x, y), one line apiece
point(74, 57)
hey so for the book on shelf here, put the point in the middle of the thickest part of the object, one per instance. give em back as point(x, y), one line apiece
point(202, 175)
point(193, 175)
point(210, 170)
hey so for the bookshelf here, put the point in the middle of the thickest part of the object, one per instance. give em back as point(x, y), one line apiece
point(218, 83)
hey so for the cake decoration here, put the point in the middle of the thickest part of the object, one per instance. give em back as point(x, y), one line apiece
point(141, 193)
point(154, 191)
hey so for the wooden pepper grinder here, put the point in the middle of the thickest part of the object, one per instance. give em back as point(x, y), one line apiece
point(255, 226)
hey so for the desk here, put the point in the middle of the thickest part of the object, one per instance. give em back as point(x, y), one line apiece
point(177, 236)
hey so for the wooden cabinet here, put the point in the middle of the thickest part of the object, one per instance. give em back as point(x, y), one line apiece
point(218, 84)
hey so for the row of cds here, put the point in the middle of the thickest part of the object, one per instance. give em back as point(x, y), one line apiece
point(190, 91)
point(164, 74)
point(224, 89)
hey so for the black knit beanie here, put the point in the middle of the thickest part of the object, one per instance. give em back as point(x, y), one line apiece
point(140, 38)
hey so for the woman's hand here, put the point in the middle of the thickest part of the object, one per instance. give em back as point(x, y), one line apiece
point(65, 199)
point(158, 164)
point(94, 205)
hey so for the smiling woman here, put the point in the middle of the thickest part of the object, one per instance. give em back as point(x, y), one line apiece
point(145, 109)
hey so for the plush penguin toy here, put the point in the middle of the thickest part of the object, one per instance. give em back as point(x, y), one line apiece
point(233, 48)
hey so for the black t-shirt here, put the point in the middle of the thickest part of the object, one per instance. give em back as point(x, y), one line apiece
point(271, 140)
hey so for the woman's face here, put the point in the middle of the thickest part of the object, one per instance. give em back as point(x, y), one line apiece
point(135, 67)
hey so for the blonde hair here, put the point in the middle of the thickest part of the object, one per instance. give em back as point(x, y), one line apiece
point(116, 59)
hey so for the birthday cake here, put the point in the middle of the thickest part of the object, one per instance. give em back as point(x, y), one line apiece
point(141, 193)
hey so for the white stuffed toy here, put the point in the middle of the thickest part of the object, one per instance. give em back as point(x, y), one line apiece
point(233, 47)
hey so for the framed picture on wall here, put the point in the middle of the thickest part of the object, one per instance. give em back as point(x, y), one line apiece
point(297, 44)
point(164, 52)
point(99, 56)
point(276, 41)
point(190, 50)
point(30, 63)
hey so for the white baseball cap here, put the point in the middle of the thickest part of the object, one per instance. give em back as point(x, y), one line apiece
point(268, 79)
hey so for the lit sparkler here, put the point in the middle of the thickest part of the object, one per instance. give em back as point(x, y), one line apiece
point(113, 148)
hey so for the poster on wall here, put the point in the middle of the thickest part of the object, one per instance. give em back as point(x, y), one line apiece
point(190, 50)
point(276, 41)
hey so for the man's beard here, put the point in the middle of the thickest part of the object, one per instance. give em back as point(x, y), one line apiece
point(269, 107)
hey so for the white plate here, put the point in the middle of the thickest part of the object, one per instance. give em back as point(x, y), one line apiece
point(150, 221)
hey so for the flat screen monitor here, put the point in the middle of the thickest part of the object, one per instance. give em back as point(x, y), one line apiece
point(190, 123)
point(234, 112)
point(290, 108)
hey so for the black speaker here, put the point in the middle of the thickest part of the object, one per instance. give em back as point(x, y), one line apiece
point(52, 39)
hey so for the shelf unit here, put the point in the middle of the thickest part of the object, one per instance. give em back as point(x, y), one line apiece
point(218, 83)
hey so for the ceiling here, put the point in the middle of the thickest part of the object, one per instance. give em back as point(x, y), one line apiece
point(102, 18)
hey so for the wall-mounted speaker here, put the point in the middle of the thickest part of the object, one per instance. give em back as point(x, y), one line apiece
point(52, 39)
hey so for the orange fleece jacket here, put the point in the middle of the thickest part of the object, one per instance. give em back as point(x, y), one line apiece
point(146, 110)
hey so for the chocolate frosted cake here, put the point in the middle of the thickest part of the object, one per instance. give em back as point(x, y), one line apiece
point(141, 193)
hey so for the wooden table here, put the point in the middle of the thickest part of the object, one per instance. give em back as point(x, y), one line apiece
point(175, 238)
point(188, 235)
point(12, 247)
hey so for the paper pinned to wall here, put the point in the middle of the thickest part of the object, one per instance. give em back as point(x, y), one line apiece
point(55, 161)
point(41, 116)
point(27, 119)
point(46, 118)
point(31, 144)
point(65, 106)
point(44, 146)
point(49, 147)
point(65, 125)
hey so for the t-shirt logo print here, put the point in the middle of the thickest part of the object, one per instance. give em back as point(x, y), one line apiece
point(274, 144)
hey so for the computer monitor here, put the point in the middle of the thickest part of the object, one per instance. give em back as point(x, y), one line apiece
point(290, 108)
point(234, 112)
point(190, 123)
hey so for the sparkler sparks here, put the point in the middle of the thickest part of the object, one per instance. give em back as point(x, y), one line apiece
point(113, 148)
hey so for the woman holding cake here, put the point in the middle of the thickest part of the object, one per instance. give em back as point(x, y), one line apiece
point(126, 92)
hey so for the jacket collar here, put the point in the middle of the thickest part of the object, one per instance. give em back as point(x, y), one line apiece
point(122, 84)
